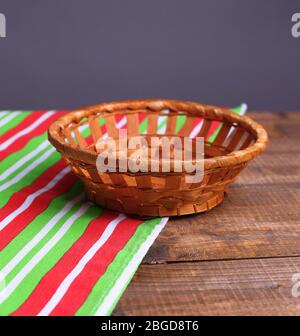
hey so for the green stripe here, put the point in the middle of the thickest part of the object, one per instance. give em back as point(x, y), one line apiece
point(14, 122)
point(19, 170)
point(212, 138)
point(29, 147)
point(29, 178)
point(3, 115)
point(116, 268)
point(37, 224)
point(143, 125)
point(52, 257)
point(101, 121)
point(237, 109)
point(33, 174)
point(157, 221)
point(180, 122)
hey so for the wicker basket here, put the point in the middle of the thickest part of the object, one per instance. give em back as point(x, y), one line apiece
point(238, 141)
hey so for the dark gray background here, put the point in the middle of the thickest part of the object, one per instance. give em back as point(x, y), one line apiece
point(70, 53)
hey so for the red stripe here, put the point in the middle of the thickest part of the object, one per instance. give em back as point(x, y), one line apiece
point(32, 117)
point(118, 118)
point(95, 268)
point(55, 276)
point(213, 127)
point(21, 142)
point(51, 281)
point(196, 122)
point(38, 205)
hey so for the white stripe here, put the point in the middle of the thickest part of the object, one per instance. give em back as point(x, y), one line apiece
point(8, 118)
point(27, 170)
point(130, 269)
point(26, 130)
point(11, 286)
point(122, 122)
point(243, 109)
point(23, 160)
point(161, 126)
point(27, 157)
point(39, 236)
point(4, 112)
point(30, 198)
point(64, 286)
point(196, 130)
point(33, 196)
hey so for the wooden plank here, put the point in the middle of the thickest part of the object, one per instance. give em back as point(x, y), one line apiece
point(260, 217)
point(216, 258)
point(239, 287)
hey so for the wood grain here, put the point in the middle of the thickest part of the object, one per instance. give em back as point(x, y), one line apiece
point(260, 217)
point(239, 287)
point(239, 258)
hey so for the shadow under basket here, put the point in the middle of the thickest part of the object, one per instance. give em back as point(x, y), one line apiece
point(238, 140)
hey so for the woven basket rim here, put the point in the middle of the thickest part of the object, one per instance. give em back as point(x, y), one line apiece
point(156, 105)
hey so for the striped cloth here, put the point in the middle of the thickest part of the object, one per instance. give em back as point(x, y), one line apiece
point(60, 255)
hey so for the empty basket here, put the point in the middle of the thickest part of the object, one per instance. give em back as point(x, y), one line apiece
point(239, 139)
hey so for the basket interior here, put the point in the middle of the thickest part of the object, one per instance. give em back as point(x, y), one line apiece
point(220, 137)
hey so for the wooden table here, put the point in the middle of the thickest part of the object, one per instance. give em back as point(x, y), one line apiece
point(239, 258)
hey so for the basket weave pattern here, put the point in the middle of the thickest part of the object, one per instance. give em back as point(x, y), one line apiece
point(239, 140)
